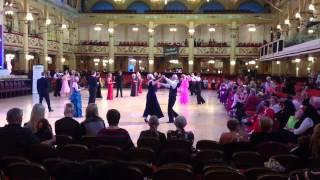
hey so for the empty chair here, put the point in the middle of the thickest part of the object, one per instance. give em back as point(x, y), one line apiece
point(153, 143)
point(254, 173)
point(51, 165)
point(62, 140)
point(179, 144)
point(272, 177)
point(40, 152)
point(145, 168)
point(106, 152)
point(246, 159)
point(207, 144)
point(27, 171)
point(143, 154)
point(89, 141)
point(173, 173)
point(288, 161)
point(174, 156)
point(269, 149)
point(223, 175)
point(74, 152)
point(217, 167)
point(209, 156)
point(134, 173)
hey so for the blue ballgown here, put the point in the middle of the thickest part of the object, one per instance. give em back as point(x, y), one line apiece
point(75, 99)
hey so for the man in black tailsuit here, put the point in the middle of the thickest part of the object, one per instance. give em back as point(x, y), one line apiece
point(92, 86)
point(198, 87)
point(173, 85)
point(43, 90)
point(119, 80)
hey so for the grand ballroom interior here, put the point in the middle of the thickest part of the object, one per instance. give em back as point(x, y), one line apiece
point(208, 89)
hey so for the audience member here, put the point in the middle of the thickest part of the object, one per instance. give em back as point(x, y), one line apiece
point(180, 133)
point(252, 101)
point(93, 123)
point(13, 138)
point(114, 135)
point(315, 143)
point(153, 131)
point(44, 130)
point(67, 125)
point(235, 135)
point(309, 118)
point(266, 125)
point(37, 113)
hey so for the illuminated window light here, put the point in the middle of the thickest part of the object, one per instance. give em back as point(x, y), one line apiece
point(212, 29)
point(278, 62)
point(252, 29)
point(173, 29)
point(135, 29)
point(211, 62)
point(310, 31)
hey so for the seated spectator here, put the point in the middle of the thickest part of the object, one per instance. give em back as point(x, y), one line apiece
point(275, 105)
point(44, 130)
point(180, 123)
point(67, 125)
point(93, 123)
point(13, 138)
point(315, 143)
point(235, 134)
point(37, 113)
point(113, 135)
point(252, 101)
point(153, 132)
point(266, 125)
point(309, 118)
point(287, 110)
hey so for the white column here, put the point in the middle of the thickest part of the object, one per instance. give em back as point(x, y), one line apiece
point(111, 46)
point(293, 28)
point(24, 61)
point(151, 47)
point(59, 61)
point(1, 36)
point(316, 12)
point(44, 30)
point(233, 44)
point(191, 48)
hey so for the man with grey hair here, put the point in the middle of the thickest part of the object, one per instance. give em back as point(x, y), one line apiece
point(14, 139)
point(173, 85)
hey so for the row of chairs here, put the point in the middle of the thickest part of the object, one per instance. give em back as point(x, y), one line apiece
point(133, 44)
point(12, 88)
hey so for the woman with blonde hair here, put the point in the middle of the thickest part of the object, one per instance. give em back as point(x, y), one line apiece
point(37, 113)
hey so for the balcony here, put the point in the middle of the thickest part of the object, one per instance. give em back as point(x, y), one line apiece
point(13, 40)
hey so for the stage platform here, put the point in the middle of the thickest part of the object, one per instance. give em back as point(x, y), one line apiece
point(207, 121)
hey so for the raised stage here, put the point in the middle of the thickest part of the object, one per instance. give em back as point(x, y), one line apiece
point(207, 121)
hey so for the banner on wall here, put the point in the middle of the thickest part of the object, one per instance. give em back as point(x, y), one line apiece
point(37, 70)
point(170, 51)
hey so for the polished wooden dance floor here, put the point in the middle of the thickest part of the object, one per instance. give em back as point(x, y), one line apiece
point(207, 121)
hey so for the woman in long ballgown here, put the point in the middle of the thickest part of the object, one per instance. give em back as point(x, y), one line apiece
point(140, 80)
point(99, 86)
point(65, 89)
point(184, 89)
point(134, 84)
point(152, 104)
point(110, 87)
point(75, 97)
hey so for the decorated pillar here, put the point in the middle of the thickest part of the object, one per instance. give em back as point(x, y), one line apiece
point(73, 37)
point(305, 18)
point(233, 45)
point(1, 36)
point(191, 47)
point(293, 26)
point(44, 30)
point(111, 46)
point(60, 60)
point(316, 11)
point(151, 47)
point(25, 53)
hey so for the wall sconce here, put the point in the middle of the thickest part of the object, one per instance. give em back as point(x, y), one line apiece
point(48, 21)
point(190, 62)
point(232, 62)
point(110, 30)
point(29, 17)
point(151, 61)
point(111, 61)
point(278, 62)
point(192, 31)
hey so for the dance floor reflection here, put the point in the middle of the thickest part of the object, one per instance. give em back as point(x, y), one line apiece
point(207, 121)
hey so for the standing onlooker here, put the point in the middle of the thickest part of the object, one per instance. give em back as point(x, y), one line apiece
point(43, 90)
point(119, 80)
point(92, 85)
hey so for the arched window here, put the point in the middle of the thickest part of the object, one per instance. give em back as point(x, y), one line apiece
point(251, 6)
point(211, 6)
point(102, 6)
point(175, 6)
point(139, 7)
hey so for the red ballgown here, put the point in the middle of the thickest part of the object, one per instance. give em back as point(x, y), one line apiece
point(140, 86)
point(110, 89)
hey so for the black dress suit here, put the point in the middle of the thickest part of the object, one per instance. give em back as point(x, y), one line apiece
point(43, 91)
point(119, 80)
point(198, 87)
point(93, 85)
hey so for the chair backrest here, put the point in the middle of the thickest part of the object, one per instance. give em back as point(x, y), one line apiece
point(135, 173)
point(153, 143)
point(40, 152)
point(143, 154)
point(51, 165)
point(270, 148)
point(223, 174)
point(172, 173)
point(24, 171)
point(207, 144)
point(247, 159)
point(289, 161)
point(74, 152)
point(145, 168)
point(217, 167)
point(62, 140)
point(254, 173)
point(272, 177)
point(106, 152)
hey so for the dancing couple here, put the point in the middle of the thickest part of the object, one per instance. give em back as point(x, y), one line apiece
point(152, 104)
